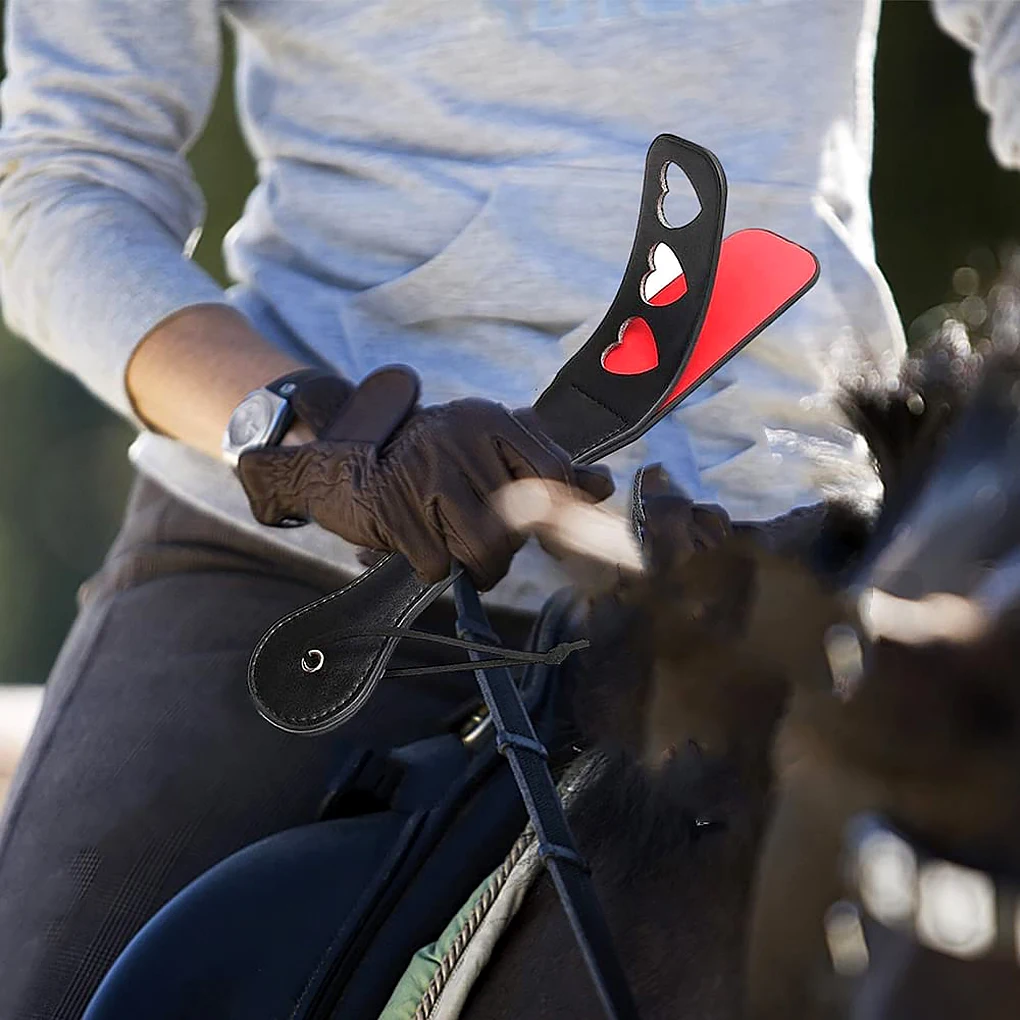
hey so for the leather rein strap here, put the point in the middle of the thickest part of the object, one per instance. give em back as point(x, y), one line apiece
point(517, 741)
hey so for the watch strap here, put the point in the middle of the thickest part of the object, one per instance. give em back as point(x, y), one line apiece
point(282, 390)
point(286, 387)
point(316, 396)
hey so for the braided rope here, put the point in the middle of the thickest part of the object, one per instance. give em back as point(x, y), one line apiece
point(471, 924)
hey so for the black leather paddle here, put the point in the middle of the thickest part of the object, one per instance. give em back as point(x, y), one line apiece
point(312, 671)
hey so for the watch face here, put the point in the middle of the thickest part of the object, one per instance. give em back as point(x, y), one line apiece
point(251, 421)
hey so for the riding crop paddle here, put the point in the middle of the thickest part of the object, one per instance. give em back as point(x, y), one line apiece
point(687, 303)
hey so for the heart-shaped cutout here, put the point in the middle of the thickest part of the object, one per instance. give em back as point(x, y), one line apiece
point(679, 203)
point(635, 352)
point(666, 282)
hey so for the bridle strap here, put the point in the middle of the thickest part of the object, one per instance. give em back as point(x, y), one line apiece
point(517, 741)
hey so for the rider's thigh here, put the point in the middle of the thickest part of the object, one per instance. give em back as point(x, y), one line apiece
point(149, 764)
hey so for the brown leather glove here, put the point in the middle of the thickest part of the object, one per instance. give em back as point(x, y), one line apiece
point(386, 474)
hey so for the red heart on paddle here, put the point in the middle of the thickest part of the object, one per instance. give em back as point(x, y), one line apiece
point(635, 352)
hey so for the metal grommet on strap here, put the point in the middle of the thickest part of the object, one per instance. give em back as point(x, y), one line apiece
point(563, 853)
point(312, 660)
point(506, 740)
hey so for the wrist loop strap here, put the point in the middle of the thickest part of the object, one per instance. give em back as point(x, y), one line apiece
point(509, 657)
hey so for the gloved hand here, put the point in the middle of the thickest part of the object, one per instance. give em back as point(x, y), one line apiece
point(671, 526)
point(386, 474)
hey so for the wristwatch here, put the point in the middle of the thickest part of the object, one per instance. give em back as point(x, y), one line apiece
point(263, 417)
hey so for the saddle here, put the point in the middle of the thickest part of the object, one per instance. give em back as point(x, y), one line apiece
point(322, 920)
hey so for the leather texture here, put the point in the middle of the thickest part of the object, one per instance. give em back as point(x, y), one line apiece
point(386, 475)
point(301, 700)
point(591, 411)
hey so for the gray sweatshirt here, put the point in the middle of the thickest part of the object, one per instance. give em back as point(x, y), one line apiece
point(453, 184)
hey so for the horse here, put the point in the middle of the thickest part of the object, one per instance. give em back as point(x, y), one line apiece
point(926, 741)
point(696, 656)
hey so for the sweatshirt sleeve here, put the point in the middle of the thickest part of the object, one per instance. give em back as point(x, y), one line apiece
point(101, 102)
point(991, 31)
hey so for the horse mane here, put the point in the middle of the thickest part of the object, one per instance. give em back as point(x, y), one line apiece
point(927, 733)
point(680, 696)
point(653, 817)
point(905, 426)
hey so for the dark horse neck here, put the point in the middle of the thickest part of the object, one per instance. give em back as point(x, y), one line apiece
point(672, 857)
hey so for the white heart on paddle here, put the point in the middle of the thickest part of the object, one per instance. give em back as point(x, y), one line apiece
point(665, 283)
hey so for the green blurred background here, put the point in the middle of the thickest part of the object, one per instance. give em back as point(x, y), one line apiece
point(940, 203)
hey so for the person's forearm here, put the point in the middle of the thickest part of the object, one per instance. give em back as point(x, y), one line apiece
point(192, 370)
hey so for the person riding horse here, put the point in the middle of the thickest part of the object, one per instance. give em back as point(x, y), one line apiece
point(449, 186)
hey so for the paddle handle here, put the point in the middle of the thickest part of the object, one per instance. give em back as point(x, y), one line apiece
point(305, 679)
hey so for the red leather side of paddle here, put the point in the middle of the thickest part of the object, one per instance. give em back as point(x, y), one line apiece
point(760, 275)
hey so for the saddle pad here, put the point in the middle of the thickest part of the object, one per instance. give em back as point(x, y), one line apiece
point(440, 976)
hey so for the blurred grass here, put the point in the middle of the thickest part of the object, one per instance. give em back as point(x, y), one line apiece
point(224, 170)
point(939, 199)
